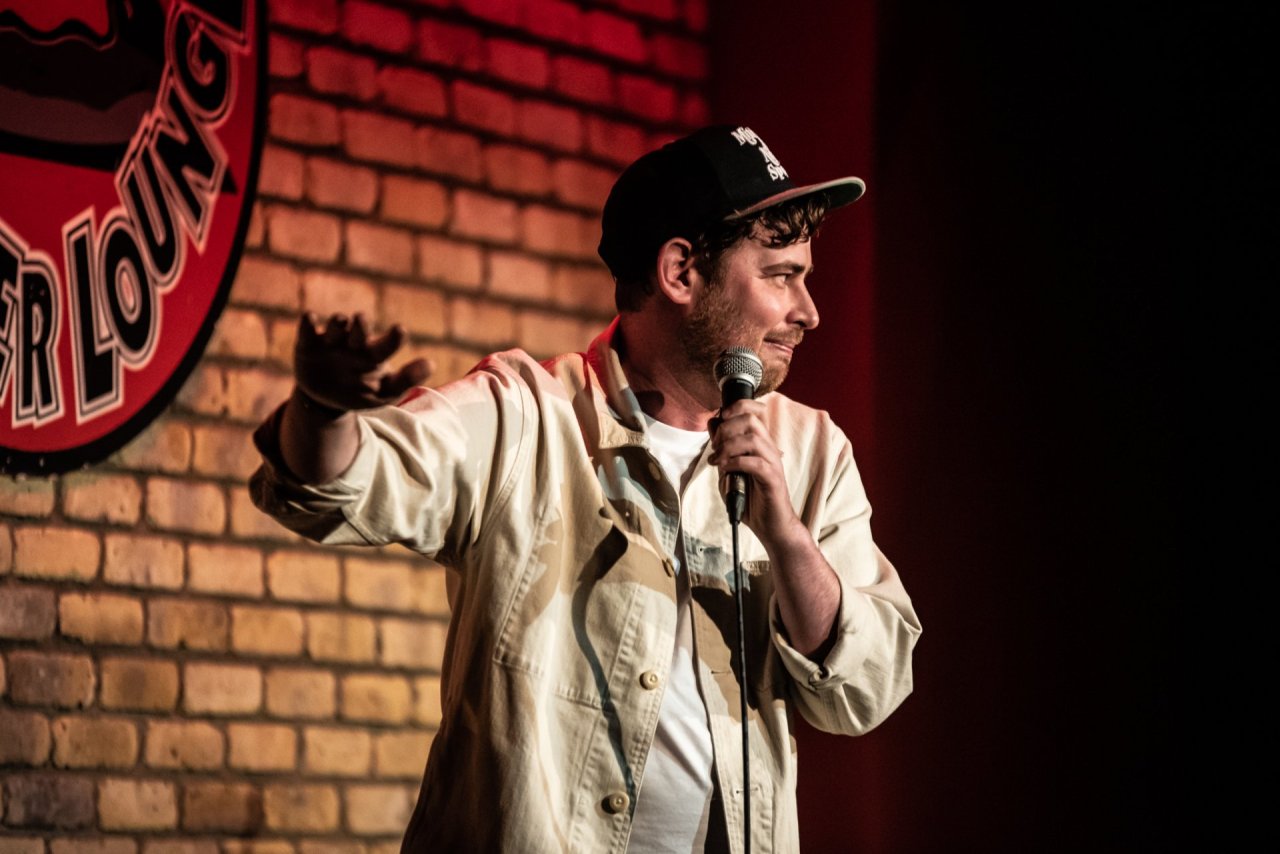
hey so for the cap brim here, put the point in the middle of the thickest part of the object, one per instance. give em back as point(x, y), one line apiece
point(840, 192)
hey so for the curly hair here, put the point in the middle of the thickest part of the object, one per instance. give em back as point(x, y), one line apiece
point(780, 225)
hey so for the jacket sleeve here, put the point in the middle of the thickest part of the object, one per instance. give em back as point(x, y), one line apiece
point(427, 473)
point(867, 672)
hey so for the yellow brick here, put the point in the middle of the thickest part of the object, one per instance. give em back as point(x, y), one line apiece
point(100, 618)
point(81, 742)
point(105, 845)
point(402, 755)
point(139, 684)
point(294, 693)
point(142, 561)
point(223, 450)
point(165, 446)
point(257, 846)
point(6, 549)
point(20, 844)
point(262, 747)
point(221, 689)
point(432, 590)
point(95, 497)
point(376, 809)
point(180, 846)
point(49, 552)
point(248, 522)
point(338, 751)
point(340, 637)
point(184, 745)
point(382, 584)
point(225, 570)
point(31, 497)
point(198, 508)
point(298, 576)
point(240, 334)
point(216, 805)
point(376, 698)
point(266, 631)
point(175, 623)
point(426, 701)
point(252, 394)
point(24, 738)
point(132, 804)
point(417, 644)
point(305, 808)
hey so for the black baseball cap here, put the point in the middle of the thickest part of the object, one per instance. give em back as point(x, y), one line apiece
point(717, 174)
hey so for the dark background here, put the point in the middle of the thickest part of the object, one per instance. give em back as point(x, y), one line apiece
point(1035, 330)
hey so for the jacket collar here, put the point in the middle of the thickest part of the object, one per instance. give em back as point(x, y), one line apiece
point(620, 418)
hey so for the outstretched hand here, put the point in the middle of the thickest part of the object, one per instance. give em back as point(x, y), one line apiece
point(340, 366)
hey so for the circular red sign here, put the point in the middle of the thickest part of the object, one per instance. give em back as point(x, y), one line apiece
point(130, 135)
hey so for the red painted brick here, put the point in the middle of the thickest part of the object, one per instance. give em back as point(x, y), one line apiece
point(581, 184)
point(485, 324)
point(696, 15)
point(680, 57)
point(519, 63)
point(455, 264)
point(413, 91)
point(280, 174)
point(139, 684)
point(57, 801)
point(647, 98)
point(414, 201)
point(297, 693)
point(94, 742)
point(100, 618)
point(485, 217)
point(142, 561)
point(557, 232)
point(555, 20)
point(448, 153)
point(517, 170)
point(51, 679)
point(24, 738)
point(589, 288)
point(616, 142)
point(663, 10)
point(505, 12)
point(303, 120)
point(614, 36)
point(334, 184)
point(27, 613)
point(484, 108)
point(337, 72)
point(303, 234)
point(318, 16)
point(377, 26)
point(419, 310)
point(379, 248)
point(328, 293)
point(519, 276)
point(184, 745)
point(583, 80)
point(378, 138)
point(284, 56)
point(266, 282)
point(188, 624)
point(224, 807)
point(694, 110)
point(552, 125)
point(456, 47)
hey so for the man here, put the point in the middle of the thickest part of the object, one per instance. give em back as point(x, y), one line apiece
point(590, 685)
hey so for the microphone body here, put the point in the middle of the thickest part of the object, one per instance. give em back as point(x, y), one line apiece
point(738, 373)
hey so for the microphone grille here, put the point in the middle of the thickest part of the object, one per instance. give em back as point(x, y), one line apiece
point(739, 363)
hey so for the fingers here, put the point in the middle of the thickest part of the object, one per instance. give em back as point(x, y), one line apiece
point(413, 373)
point(358, 334)
point(307, 333)
point(381, 349)
point(335, 331)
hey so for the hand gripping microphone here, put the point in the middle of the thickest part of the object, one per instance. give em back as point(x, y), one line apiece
point(738, 373)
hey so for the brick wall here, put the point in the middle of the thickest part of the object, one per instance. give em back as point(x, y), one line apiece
point(179, 675)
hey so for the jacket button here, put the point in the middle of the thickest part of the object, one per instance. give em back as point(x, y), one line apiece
point(649, 680)
point(616, 803)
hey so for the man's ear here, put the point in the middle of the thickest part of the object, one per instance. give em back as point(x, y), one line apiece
point(676, 274)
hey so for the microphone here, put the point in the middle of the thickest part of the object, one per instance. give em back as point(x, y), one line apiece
point(738, 373)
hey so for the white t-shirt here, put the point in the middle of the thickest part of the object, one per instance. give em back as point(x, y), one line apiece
point(674, 801)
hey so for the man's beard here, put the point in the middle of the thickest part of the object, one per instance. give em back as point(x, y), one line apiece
point(716, 325)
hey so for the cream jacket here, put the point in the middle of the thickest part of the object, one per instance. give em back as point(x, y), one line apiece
point(531, 482)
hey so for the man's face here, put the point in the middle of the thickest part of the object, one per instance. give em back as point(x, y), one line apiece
point(758, 299)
